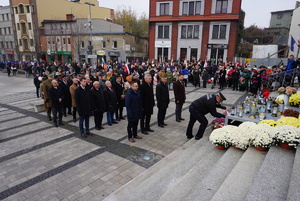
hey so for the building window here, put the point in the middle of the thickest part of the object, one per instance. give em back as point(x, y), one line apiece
point(103, 44)
point(219, 31)
point(27, 9)
point(190, 31)
point(32, 8)
point(16, 10)
point(278, 25)
point(23, 27)
point(3, 17)
point(64, 41)
point(21, 8)
point(18, 26)
point(279, 16)
point(25, 44)
point(164, 9)
point(221, 6)
point(11, 44)
point(49, 42)
point(31, 42)
point(7, 17)
point(163, 31)
point(191, 8)
point(20, 42)
point(29, 26)
point(4, 31)
point(115, 44)
point(82, 44)
point(69, 41)
point(162, 54)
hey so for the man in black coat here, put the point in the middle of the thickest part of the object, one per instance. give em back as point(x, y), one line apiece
point(56, 95)
point(83, 105)
point(147, 96)
point(110, 102)
point(37, 83)
point(119, 89)
point(98, 104)
point(199, 108)
point(163, 100)
point(67, 102)
point(179, 93)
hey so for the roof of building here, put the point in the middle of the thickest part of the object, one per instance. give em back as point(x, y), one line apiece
point(283, 11)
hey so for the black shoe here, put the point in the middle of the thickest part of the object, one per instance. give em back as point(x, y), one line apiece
point(61, 124)
point(149, 130)
point(65, 115)
point(160, 125)
point(118, 119)
point(110, 124)
point(74, 120)
point(197, 138)
point(145, 132)
point(83, 135)
point(50, 119)
point(190, 137)
point(70, 113)
point(55, 125)
point(178, 120)
point(181, 119)
point(101, 127)
point(122, 118)
point(96, 128)
point(114, 122)
point(88, 133)
point(164, 124)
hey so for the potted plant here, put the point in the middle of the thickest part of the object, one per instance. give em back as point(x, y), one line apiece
point(264, 137)
point(291, 121)
point(291, 113)
point(287, 136)
point(295, 100)
point(217, 123)
point(220, 137)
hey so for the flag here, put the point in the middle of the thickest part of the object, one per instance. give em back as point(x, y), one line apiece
point(103, 60)
point(293, 42)
point(126, 69)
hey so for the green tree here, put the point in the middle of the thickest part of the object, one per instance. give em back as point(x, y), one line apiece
point(137, 25)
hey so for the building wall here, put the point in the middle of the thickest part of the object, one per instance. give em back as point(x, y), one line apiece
point(7, 40)
point(203, 46)
point(281, 19)
point(295, 32)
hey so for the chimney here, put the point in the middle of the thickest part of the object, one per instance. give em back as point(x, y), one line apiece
point(70, 17)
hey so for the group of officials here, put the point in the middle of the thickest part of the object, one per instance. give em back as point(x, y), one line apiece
point(85, 97)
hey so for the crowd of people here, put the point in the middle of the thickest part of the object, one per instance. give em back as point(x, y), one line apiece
point(85, 90)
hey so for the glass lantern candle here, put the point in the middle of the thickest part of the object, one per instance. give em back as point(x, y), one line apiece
point(275, 109)
point(269, 105)
point(280, 109)
point(232, 111)
point(241, 111)
point(253, 111)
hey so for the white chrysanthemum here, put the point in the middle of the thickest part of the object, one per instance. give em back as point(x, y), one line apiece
point(221, 136)
point(287, 134)
point(247, 125)
point(263, 136)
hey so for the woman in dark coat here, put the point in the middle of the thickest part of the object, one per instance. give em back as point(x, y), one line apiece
point(133, 103)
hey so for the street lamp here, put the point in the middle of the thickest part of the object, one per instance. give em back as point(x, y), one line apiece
point(90, 47)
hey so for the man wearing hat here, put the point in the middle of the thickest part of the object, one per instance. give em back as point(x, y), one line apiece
point(199, 108)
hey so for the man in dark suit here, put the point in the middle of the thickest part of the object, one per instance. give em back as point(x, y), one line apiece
point(199, 108)
point(110, 102)
point(56, 96)
point(163, 100)
point(147, 96)
point(179, 93)
point(67, 102)
point(119, 89)
point(98, 104)
point(83, 105)
point(37, 80)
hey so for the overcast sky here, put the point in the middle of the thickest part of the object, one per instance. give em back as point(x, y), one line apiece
point(257, 11)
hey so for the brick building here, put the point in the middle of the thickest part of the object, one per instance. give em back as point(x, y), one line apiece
point(193, 29)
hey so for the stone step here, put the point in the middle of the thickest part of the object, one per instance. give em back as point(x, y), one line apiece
point(294, 190)
point(238, 182)
point(273, 178)
point(155, 181)
point(206, 188)
point(192, 178)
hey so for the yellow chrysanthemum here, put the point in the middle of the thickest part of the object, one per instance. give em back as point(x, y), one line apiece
point(270, 122)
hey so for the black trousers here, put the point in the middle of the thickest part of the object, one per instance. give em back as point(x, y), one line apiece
point(196, 116)
point(74, 112)
point(196, 82)
point(178, 110)
point(161, 114)
point(204, 84)
point(235, 84)
point(37, 92)
point(56, 110)
point(145, 122)
point(119, 112)
point(98, 116)
point(132, 128)
point(65, 109)
point(49, 112)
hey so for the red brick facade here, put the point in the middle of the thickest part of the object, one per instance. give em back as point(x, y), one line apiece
point(206, 20)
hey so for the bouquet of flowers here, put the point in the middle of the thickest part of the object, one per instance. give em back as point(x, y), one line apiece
point(287, 134)
point(281, 90)
point(270, 122)
point(290, 91)
point(217, 123)
point(295, 100)
point(264, 136)
point(266, 93)
point(222, 136)
point(291, 113)
point(291, 121)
